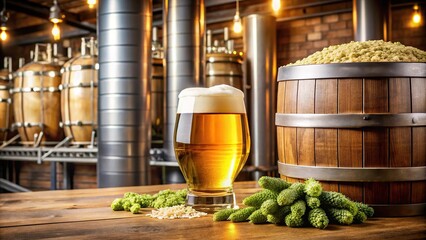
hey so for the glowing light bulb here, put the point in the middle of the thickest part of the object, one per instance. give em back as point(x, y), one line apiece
point(237, 23)
point(276, 5)
point(91, 3)
point(3, 35)
point(56, 32)
point(417, 18)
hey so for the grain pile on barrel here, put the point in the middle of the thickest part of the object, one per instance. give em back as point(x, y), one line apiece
point(369, 51)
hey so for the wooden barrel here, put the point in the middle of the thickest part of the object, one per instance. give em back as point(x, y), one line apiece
point(157, 100)
point(360, 128)
point(6, 113)
point(36, 102)
point(79, 98)
point(223, 68)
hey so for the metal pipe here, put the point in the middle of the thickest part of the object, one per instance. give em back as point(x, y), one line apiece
point(124, 61)
point(260, 71)
point(371, 20)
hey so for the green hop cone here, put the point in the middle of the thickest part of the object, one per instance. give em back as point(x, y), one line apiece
point(126, 204)
point(312, 202)
point(278, 217)
point(242, 215)
point(341, 216)
point(334, 200)
point(130, 194)
point(291, 194)
point(269, 206)
point(257, 217)
point(135, 208)
point(258, 198)
point(117, 205)
point(353, 208)
point(293, 220)
point(369, 211)
point(273, 184)
point(223, 214)
point(313, 188)
point(360, 217)
point(298, 208)
point(318, 218)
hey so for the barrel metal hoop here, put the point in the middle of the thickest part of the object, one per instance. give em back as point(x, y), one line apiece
point(37, 73)
point(399, 210)
point(75, 123)
point(352, 70)
point(5, 100)
point(4, 87)
point(35, 89)
point(350, 120)
point(26, 124)
point(6, 78)
point(80, 67)
point(353, 174)
point(80, 85)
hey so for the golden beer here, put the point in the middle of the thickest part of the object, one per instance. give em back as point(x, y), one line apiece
point(212, 143)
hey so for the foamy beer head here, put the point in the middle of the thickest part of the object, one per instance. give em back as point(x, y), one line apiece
point(216, 99)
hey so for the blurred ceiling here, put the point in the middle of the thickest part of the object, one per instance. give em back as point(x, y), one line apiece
point(29, 19)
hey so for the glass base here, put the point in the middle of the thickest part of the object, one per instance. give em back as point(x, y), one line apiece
point(211, 204)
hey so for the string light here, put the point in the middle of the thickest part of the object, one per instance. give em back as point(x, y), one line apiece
point(276, 5)
point(91, 3)
point(237, 20)
point(416, 16)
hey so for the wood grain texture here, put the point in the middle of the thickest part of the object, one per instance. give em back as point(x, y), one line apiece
point(326, 139)
point(350, 140)
point(305, 136)
point(376, 140)
point(400, 138)
point(290, 135)
point(85, 214)
point(281, 130)
point(418, 91)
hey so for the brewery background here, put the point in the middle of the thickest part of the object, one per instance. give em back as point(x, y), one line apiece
point(135, 70)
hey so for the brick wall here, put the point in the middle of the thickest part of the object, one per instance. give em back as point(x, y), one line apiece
point(404, 31)
point(300, 38)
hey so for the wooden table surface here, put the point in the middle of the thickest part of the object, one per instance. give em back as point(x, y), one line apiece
point(85, 214)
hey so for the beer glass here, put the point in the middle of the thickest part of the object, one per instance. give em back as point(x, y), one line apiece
point(211, 143)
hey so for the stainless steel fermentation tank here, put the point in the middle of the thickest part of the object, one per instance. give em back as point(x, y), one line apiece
point(371, 20)
point(124, 126)
point(184, 26)
point(157, 101)
point(260, 70)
